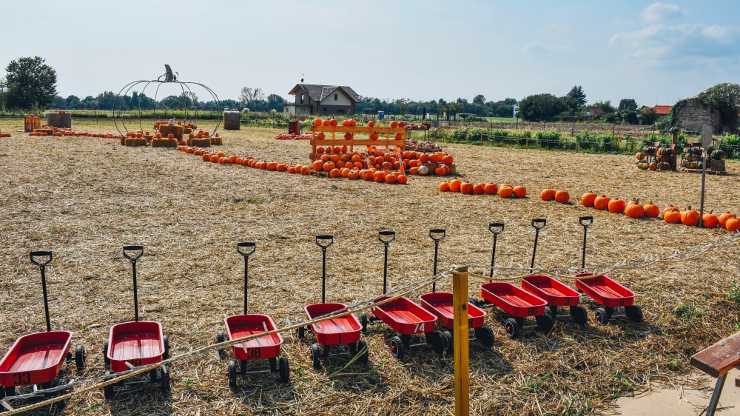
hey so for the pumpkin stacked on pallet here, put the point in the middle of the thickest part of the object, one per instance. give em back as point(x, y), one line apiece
point(134, 138)
point(202, 138)
point(424, 164)
point(482, 188)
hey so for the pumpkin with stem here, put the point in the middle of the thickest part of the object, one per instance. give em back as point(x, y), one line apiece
point(455, 185)
point(601, 202)
point(444, 187)
point(709, 220)
point(490, 188)
point(547, 194)
point(724, 217)
point(690, 217)
point(562, 197)
point(505, 191)
point(466, 188)
point(634, 210)
point(616, 206)
point(520, 191)
point(651, 210)
point(478, 188)
point(732, 224)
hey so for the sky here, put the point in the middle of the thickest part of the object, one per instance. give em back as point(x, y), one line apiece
point(655, 52)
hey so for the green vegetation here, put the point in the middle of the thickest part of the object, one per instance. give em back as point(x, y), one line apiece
point(688, 311)
point(734, 294)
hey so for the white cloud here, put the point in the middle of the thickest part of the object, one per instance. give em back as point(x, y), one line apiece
point(659, 12)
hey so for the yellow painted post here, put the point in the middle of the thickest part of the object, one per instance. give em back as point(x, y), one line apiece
point(460, 335)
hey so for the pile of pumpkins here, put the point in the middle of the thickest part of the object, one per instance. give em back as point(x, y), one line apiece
point(409, 162)
point(485, 188)
point(634, 209)
point(320, 167)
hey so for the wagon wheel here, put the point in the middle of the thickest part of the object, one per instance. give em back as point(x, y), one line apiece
point(512, 327)
point(364, 321)
point(485, 336)
point(579, 315)
point(301, 332)
point(316, 356)
point(634, 313)
point(164, 380)
point(243, 367)
point(436, 340)
point(221, 337)
point(364, 352)
point(106, 361)
point(108, 391)
point(602, 316)
point(273, 364)
point(545, 323)
point(80, 356)
point(284, 369)
point(166, 341)
point(232, 374)
point(398, 349)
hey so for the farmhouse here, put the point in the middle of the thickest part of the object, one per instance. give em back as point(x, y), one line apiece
point(663, 110)
point(315, 99)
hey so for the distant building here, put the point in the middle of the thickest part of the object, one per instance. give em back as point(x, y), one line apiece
point(313, 99)
point(663, 110)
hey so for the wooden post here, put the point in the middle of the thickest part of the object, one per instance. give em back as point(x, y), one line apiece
point(460, 336)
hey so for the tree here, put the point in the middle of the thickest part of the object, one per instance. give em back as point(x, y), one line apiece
point(604, 107)
point(249, 96)
point(479, 99)
point(647, 115)
point(275, 102)
point(31, 83)
point(576, 97)
point(627, 104)
point(72, 101)
point(3, 87)
point(541, 107)
point(725, 98)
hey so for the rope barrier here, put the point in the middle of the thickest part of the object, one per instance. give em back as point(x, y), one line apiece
point(569, 273)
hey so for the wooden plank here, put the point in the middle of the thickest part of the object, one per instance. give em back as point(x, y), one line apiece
point(356, 142)
point(367, 130)
point(719, 358)
point(460, 340)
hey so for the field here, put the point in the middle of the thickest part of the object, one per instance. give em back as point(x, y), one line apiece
point(84, 198)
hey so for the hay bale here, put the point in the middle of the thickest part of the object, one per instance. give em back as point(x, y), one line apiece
point(134, 141)
point(216, 141)
point(59, 119)
point(196, 142)
point(175, 130)
point(232, 120)
point(164, 143)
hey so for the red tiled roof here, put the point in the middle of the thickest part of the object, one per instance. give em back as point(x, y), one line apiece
point(662, 110)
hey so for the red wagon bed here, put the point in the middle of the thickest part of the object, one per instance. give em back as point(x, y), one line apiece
point(551, 290)
point(344, 330)
point(34, 358)
point(137, 343)
point(513, 300)
point(605, 291)
point(404, 316)
point(440, 304)
point(261, 348)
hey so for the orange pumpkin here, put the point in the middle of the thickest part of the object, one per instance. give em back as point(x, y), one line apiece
point(562, 197)
point(402, 179)
point(505, 191)
point(709, 220)
point(651, 210)
point(478, 188)
point(390, 178)
point(379, 176)
point(690, 217)
point(520, 191)
point(444, 187)
point(724, 217)
point(328, 166)
point(354, 174)
point(634, 210)
point(672, 217)
point(587, 199)
point(616, 206)
point(601, 202)
point(548, 194)
point(490, 188)
point(344, 172)
point(466, 188)
point(455, 185)
point(732, 224)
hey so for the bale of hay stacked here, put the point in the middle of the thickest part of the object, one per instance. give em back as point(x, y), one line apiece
point(232, 120)
point(174, 129)
point(59, 119)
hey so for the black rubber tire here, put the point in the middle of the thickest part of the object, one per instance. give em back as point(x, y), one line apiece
point(108, 391)
point(364, 320)
point(232, 372)
point(435, 339)
point(512, 327)
point(283, 369)
point(579, 315)
point(448, 341)
point(352, 348)
point(545, 323)
point(80, 357)
point(221, 337)
point(301, 332)
point(363, 349)
point(634, 313)
point(8, 391)
point(243, 367)
point(164, 380)
point(316, 356)
point(273, 364)
point(485, 336)
point(155, 375)
point(602, 316)
point(166, 342)
point(106, 361)
point(398, 349)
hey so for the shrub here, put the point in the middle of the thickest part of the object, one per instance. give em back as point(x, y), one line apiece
point(548, 139)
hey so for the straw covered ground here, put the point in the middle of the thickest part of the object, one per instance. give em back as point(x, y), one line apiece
point(84, 198)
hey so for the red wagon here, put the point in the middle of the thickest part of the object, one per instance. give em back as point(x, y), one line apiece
point(135, 343)
point(37, 359)
point(557, 295)
point(336, 335)
point(263, 348)
point(516, 304)
point(613, 298)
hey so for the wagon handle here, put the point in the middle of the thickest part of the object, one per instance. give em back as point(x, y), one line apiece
point(586, 220)
point(539, 223)
point(133, 253)
point(246, 249)
point(437, 235)
point(44, 255)
point(324, 240)
point(386, 236)
point(496, 227)
point(41, 259)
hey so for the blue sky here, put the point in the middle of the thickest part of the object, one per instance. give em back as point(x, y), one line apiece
point(656, 52)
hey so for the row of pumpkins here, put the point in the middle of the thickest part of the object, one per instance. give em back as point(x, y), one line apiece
point(318, 167)
point(485, 188)
point(634, 209)
point(58, 132)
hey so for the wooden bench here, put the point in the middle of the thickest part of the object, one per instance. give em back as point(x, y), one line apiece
point(717, 361)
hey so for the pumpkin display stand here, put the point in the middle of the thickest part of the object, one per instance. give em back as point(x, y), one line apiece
point(199, 142)
point(164, 142)
point(388, 137)
point(31, 122)
point(134, 141)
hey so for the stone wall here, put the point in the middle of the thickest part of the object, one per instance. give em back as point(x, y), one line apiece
point(693, 114)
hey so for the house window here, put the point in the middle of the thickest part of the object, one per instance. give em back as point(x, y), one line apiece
point(302, 96)
point(336, 97)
